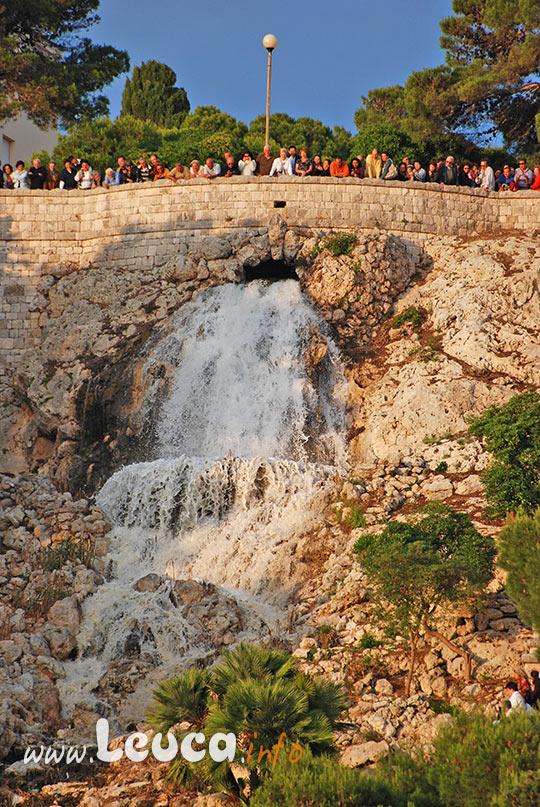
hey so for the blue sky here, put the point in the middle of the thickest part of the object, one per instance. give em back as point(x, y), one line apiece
point(328, 54)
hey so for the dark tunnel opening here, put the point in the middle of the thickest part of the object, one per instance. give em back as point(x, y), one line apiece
point(270, 270)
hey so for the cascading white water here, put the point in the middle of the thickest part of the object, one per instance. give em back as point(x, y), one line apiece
point(245, 442)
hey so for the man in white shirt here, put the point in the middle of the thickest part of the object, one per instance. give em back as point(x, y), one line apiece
point(517, 701)
point(210, 169)
point(282, 164)
point(486, 177)
point(84, 176)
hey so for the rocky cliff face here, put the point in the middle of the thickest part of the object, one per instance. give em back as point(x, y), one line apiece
point(73, 405)
point(469, 337)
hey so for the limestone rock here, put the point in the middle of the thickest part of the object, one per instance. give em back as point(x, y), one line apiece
point(61, 641)
point(470, 486)
point(276, 236)
point(438, 487)
point(383, 687)
point(212, 248)
point(356, 756)
point(150, 582)
point(65, 613)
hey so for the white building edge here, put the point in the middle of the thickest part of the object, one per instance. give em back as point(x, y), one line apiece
point(19, 137)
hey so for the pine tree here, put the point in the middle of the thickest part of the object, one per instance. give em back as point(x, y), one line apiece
point(150, 95)
point(490, 81)
point(46, 68)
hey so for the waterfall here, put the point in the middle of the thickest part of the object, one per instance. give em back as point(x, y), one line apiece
point(246, 435)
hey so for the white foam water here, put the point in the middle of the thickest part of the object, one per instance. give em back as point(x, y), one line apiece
point(245, 442)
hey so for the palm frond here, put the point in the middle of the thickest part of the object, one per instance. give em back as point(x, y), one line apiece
point(181, 698)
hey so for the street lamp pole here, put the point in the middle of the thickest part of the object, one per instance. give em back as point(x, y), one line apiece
point(269, 42)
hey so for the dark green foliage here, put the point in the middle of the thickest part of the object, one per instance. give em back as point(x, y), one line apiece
point(47, 69)
point(340, 243)
point(150, 95)
point(257, 693)
point(441, 707)
point(384, 106)
point(368, 641)
point(321, 782)
point(384, 137)
point(103, 140)
point(521, 791)
point(412, 315)
point(512, 435)
point(493, 53)
point(473, 763)
point(181, 698)
point(442, 467)
point(437, 558)
point(519, 555)
point(205, 132)
point(488, 83)
point(302, 132)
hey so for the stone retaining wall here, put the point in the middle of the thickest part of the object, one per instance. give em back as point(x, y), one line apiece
point(44, 232)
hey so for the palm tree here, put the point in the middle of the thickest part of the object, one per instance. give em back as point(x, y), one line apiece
point(258, 694)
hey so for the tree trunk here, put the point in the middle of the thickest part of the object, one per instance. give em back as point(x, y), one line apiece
point(414, 639)
point(465, 655)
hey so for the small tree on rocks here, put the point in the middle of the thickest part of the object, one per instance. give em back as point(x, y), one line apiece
point(437, 559)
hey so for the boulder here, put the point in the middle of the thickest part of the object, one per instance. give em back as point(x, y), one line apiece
point(211, 248)
point(65, 613)
point(438, 487)
point(150, 582)
point(384, 687)
point(61, 641)
point(357, 755)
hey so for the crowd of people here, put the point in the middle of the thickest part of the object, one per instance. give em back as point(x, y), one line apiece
point(78, 173)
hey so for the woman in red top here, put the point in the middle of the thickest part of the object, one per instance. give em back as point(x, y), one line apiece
point(535, 185)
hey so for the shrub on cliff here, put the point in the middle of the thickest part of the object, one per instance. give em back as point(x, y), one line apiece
point(321, 782)
point(259, 695)
point(436, 559)
point(519, 555)
point(512, 435)
point(474, 763)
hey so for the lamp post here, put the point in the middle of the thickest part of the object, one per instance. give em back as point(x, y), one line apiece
point(269, 42)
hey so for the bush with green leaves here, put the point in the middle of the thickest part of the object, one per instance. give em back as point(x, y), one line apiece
point(356, 518)
point(519, 555)
point(417, 567)
point(386, 138)
point(512, 435)
point(411, 315)
point(475, 762)
point(322, 782)
point(258, 694)
point(340, 243)
point(522, 791)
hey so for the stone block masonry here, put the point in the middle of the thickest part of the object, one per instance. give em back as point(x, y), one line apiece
point(51, 233)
